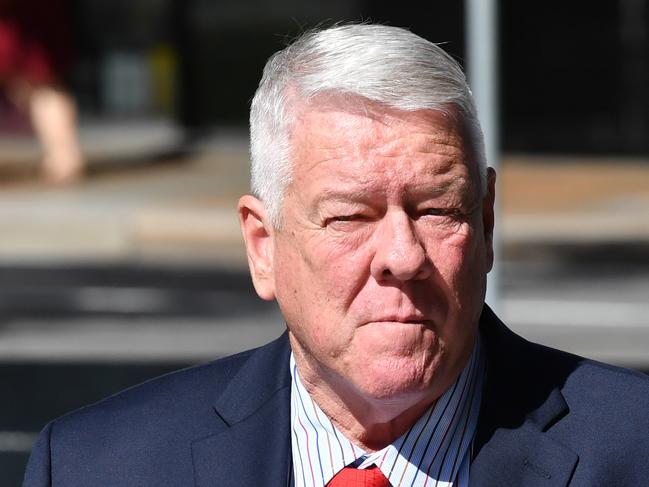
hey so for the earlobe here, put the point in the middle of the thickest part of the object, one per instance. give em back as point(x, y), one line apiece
point(258, 238)
point(488, 217)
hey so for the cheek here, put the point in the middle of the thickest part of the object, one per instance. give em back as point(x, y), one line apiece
point(340, 265)
point(449, 253)
point(460, 261)
point(462, 237)
point(330, 245)
point(317, 280)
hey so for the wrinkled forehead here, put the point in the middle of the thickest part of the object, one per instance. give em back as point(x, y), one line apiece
point(441, 125)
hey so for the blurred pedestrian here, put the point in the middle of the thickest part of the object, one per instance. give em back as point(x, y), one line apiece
point(35, 54)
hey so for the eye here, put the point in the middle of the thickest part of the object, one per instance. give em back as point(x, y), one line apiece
point(434, 211)
point(448, 212)
point(344, 218)
point(347, 222)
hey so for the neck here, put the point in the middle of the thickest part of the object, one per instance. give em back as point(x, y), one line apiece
point(370, 423)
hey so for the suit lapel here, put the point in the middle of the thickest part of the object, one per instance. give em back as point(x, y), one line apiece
point(522, 456)
point(521, 402)
point(253, 445)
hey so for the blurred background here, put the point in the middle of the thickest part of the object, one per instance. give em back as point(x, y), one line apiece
point(123, 150)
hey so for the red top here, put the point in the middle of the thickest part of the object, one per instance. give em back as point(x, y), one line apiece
point(34, 40)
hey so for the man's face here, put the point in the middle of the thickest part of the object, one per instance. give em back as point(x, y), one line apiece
point(380, 264)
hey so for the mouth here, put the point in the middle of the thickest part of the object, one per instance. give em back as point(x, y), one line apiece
point(415, 320)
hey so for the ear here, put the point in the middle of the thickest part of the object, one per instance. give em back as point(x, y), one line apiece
point(258, 237)
point(488, 209)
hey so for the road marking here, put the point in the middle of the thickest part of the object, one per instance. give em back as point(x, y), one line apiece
point(17, 441)
point(553, 312)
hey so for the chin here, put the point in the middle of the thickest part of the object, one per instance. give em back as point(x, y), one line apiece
point(397, 379)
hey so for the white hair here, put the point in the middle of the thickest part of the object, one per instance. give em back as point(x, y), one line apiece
point(387, 65)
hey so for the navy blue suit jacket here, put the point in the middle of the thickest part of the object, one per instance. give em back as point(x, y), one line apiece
point(547, 419)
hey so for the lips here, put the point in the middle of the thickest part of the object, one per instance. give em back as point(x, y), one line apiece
point(413, 319)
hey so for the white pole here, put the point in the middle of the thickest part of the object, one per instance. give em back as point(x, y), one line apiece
point(481, 27)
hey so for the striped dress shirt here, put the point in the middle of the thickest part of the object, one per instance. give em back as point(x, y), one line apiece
point(435, 451)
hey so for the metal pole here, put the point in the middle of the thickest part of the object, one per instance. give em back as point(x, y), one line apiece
point(481, 27)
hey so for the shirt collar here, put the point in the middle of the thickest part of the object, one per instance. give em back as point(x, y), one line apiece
point(435, 450)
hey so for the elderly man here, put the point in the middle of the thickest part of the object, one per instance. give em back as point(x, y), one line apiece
point(371, 225)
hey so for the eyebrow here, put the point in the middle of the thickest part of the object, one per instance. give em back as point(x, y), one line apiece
point(444, 187)
point(334, 195)
point(362, 193)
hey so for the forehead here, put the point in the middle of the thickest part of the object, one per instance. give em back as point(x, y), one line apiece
point(366, 144)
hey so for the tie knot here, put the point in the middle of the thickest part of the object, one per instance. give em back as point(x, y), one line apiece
point(354, 477)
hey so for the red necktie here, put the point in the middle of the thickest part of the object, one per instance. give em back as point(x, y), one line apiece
point(354, 477)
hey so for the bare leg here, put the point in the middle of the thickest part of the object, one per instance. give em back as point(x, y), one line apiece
point(53, 115)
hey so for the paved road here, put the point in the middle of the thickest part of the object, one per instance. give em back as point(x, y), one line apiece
point(598, 309)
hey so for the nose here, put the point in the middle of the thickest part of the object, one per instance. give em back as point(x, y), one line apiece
point(399, 254)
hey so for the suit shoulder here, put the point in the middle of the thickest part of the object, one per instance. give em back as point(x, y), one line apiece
point(158, 403)
point(609, 384)
point(145, 433)
point(176, 383)
point(587, 378)
point(591, 389)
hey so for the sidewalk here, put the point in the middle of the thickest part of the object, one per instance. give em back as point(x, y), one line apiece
point(181, 209)
point(572, 200)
